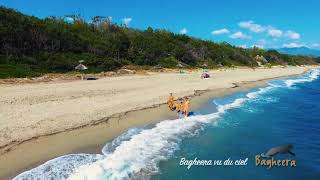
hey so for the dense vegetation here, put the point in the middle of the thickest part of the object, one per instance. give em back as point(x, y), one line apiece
point(30, 46)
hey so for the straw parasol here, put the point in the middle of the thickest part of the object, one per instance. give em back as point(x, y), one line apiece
point(204, 67)
point(81, 67)
point(179, 65)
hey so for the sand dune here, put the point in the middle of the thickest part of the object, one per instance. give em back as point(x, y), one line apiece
point(31, 110)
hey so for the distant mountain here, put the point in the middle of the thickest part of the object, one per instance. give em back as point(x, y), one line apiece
point(300, 51)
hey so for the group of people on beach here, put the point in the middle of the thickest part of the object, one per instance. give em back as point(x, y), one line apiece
point(182, 106)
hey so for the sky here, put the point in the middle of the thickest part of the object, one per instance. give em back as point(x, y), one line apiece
point(246, 23)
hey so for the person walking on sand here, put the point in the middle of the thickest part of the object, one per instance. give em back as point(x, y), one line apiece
point(179, 106)
point(171, 102)
point(186, 107)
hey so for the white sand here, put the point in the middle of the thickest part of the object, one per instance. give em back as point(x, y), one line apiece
point(31, 110)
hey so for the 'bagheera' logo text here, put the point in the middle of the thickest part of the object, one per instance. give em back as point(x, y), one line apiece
point(269, 163)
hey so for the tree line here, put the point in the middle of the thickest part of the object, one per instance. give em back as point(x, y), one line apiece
point(30, 46)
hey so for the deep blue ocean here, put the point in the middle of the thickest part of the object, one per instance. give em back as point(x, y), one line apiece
point(239, 126)
point(279, 116)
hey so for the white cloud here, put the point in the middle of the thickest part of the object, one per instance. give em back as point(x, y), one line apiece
point(183, 31)
point(315, 45)
point(252, 26)
point(69, 19)
point(292, 35)
point(261, 44)
point(275, 32)
point(271, 31)
point(292, 45)
point(257, 46)
point(239, 35)
point(244, 46)
point(220, 31)
point(126, 21)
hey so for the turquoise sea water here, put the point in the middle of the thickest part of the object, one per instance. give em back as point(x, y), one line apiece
point(239, 126)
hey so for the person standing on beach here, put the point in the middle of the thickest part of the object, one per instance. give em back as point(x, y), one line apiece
point(171, 102)
point(179, 106)
point(186, 106)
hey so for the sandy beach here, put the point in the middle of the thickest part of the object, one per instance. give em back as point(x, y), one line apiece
point(114, 104)
point(90, 139)
point(111, 90)
point(32, 110)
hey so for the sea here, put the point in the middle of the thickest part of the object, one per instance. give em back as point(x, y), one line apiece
point(230, 132)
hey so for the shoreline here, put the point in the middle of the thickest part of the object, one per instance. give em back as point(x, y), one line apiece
point(50, 108)
point(39, 149)
point(197, 93)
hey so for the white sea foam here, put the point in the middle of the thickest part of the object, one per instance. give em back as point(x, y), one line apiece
point(59, 168)
point(144, 150)
point(138, 150)
point(310, 76)
point(239, 101)
point(110, 147)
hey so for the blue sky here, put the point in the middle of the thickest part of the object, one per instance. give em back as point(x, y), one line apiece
point(267, 24)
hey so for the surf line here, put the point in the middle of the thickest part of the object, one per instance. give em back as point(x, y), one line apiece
point(269, 163)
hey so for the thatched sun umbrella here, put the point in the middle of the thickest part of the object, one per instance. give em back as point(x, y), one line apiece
point(81, 67)
point(179, 65)
point(204, 67)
